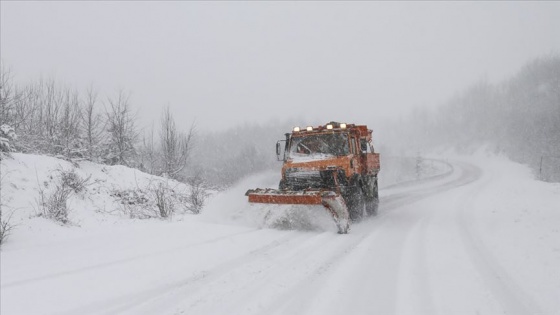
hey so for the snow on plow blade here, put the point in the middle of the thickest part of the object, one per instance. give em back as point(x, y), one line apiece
point(331, 200)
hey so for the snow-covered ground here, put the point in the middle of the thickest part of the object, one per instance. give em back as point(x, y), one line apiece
point(483, 238)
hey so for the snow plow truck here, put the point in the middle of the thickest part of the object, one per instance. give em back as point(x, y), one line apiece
point(333, 165)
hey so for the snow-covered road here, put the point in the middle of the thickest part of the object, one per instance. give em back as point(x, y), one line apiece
point(447, 245)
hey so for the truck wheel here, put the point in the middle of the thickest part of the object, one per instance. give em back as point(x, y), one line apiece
point(356, 205)
point(372, 204)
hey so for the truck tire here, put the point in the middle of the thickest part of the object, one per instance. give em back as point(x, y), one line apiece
point(372, 204)
point(356, 204)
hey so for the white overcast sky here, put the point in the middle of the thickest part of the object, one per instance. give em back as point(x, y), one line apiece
point(225, 63)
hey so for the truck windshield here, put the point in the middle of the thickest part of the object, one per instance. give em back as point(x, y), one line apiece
point(317, 147)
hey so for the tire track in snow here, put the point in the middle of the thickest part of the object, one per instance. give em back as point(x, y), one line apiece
point(374, 292)
point(417, 277)
point(276, 275)
point(397, 200)
point(297, 292)
point(156, 301)
point(389, 261)
point(514, 300)
point(120, 261)
point(126, 302)
point(416, 295)
point(322, 269)
point(178, 290)
point(297, 298)
point(384, 268)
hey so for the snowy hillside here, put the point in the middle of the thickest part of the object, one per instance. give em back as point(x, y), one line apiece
point(98, 195)
point(482, 237)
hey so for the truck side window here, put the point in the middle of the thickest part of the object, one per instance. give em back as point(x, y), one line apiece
point(364, 146)
point(354, 145)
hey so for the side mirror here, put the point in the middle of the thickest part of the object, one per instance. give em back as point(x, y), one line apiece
point(279, 151)
point(278, 148)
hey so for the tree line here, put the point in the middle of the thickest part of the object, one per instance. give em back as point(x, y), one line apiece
point(518, 117)
point(45, 117)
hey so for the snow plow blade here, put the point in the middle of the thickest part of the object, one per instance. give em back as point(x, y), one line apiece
point(331, 200)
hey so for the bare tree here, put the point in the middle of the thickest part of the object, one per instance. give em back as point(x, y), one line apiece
point(38, 114)
point(68, 137)
point(92, 124)
point(175, 146)
point(7, 112)
point(8, 97)
point(52, 103)
point(149, 156)
point(26, 116)
point(121, 131)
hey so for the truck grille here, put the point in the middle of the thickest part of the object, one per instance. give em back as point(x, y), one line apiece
point(301, 179)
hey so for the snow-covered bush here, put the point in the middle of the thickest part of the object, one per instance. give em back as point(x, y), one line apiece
point(53, 205)
point(5, 226)
point(161, 199)
point(154, 201)
point(53, 200)
point(7, 135)
point(197, 194)
point(73, 180)
point(131, 196)
point(164, 200)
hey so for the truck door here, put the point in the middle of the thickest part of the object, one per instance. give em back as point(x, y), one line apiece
point(370, 158)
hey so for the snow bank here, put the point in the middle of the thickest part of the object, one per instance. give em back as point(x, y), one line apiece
point(25, 176)
point(517, 218)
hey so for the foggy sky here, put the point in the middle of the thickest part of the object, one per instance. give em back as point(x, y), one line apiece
point(225, 63)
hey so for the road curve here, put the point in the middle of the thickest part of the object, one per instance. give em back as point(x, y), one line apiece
point(321, 273)
point(418, 256)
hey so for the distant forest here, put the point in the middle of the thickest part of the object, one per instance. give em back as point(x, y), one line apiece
point(519, 118)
